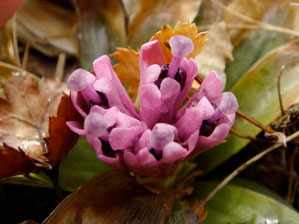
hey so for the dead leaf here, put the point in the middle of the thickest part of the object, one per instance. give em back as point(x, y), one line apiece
point(127, 68)
point(47, 27)
point(60, 139)
point(14, 161)
point(24, 119)
point(101, 28)
point(147, 16)
point(113, 197)
point(187, 29)
point(250, 8)
point(217, 49)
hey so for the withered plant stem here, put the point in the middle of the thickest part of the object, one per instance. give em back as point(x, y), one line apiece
point(255, 122)
point(235, 132)
point(243, 167)
point(278, 89)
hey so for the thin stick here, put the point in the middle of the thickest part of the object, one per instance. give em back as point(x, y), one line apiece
point(60, 67)
point(279, 91)
point(250, 20)
point(243, 167)
point(235, 132)
point(255, 122)
point(26, 55)
point(15, 40)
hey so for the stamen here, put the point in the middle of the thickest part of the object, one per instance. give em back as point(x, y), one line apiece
point(181, 47)
point(95, 125)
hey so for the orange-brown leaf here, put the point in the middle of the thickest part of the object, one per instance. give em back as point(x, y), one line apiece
point(14, 161)
point(61, 138)
point(186, 29)
point(127, 68)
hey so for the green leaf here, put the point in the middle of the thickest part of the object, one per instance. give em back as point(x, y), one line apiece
point(79, 166)
point(257, 95)
point(259, 42)
point(239, 204)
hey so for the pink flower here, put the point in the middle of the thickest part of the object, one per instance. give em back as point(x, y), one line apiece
point(153, 141)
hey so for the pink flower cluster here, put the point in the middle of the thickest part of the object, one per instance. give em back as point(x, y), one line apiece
point(151, 141)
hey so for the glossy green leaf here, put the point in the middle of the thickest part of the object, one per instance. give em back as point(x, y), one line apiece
point(79, 166)
point(257, 96)
point(259, 42)
point(242, 204)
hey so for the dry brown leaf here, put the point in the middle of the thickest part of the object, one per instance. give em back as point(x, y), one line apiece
point(24, 119)
point(60, 139)
point(147, 17)
point(101, 28)
point(113, 197)
point(250, 8)
point(14, 161)
point(217, 49)
point(127, 68)
point(48, 28)
point(187, 29)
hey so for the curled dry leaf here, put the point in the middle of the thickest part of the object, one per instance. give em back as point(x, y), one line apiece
point(14, 161)
point(186, 29)
point(147, 17)
point(250, 8)
point(24, 120)
point(217, 49)
point(113, 197)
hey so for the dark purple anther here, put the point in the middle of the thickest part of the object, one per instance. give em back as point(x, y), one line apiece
point(180, 76)
point(207, 128)
point(157, 156)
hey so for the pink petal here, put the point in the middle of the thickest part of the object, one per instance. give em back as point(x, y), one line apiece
point(123, 138)
point(219, 134)
point(150, 53)
point(173, 152)
point(181, 46)
point(152, 73)
point(150, 104)
point(95, 125)
point(162, 134)
point(144, 141)
point(191, 120)
point(190, 67)
point(76, 127)
point(103, 68)
point(229, 103)
point(170, 90)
